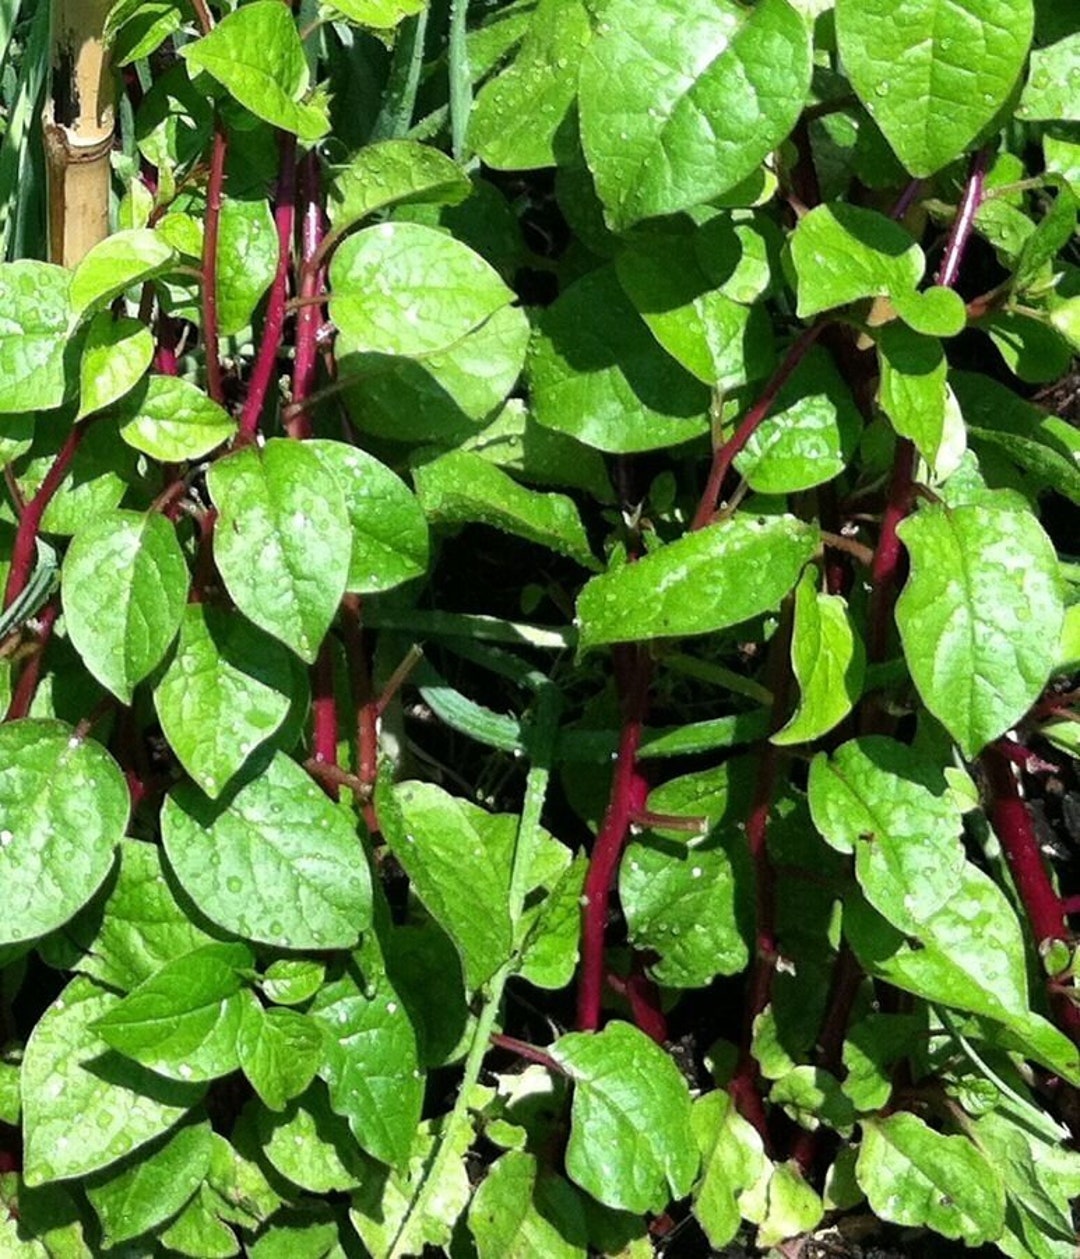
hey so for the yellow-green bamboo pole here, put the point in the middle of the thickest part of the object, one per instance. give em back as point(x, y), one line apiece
point(79, 121)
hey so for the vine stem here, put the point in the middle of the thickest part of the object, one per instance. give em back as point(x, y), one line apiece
point(964, 222)
point(629, 792)
point(203, 15)
point(274, 326)
point(309, 312)
point(211, 233)
point(1013, 826)
point(544, 733)
point(324, 738)
point(25, 546)
point(726, 454)
point(26, 687)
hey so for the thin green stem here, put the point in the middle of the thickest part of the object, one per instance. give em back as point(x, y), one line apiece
point(542, 748)
point(461, 96)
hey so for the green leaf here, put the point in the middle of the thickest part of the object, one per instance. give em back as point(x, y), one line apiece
point(1040, 443)
point(1041, 1180)
point(136, 930)
point(460, 487)
point(979, 616)
point(279, 1051)
point(679, 904)
point(704, 581)
point(914, 391)
point(116, 353)
point(442, 397)
point(458, 860)
point(116, 264)
point(311, 1146)
point(915, 1176)
point(810, 434)
point(597, 374)
point(1052, 93)
point(255, 53)
point(63, 809)
point(401, 288)
point(276, 863)
point(969, 955)
point(225, 692)
point(381, 1204)
point(84, 1106)
point(96, 480)
point(389, 531)
point(247, 261)
point(519, 114)
point(199, 1230)
point(394, 172)
point(1031, 347)
point(517, 1213)
point(148, 1190)
point(631, 1144)
point(877, 798)
point(828, 660)
point(933, 81)
point(843, 253)
point(935, 312)
point(811, 1097)
point(549, 930)
point(370, 1058)
point(379, 15)
point(681, 101)
point(292, 981)
point(670, 277)
point(732, 1159)
point(36, 319)
point(792, 1207)
point(1056, 228)
point(182, 1022)
point(124, 586)
point(282, 541)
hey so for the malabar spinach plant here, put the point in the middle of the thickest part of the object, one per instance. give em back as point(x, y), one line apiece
point(541, 589)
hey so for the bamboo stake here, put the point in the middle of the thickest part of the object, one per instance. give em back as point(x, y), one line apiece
point(78, 124)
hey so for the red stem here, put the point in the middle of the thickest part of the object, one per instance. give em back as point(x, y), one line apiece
point(25, 548)
point(644, 999)
point(26, 687)
point(324, 719)
point(725, 455)
point(211, 233)
point(262, 374)
point(962, 226)
point(524, 1050)
point(1013, 826)
point(629, 791)
point(309, 315)
point(367, 709)
point(889, 555)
